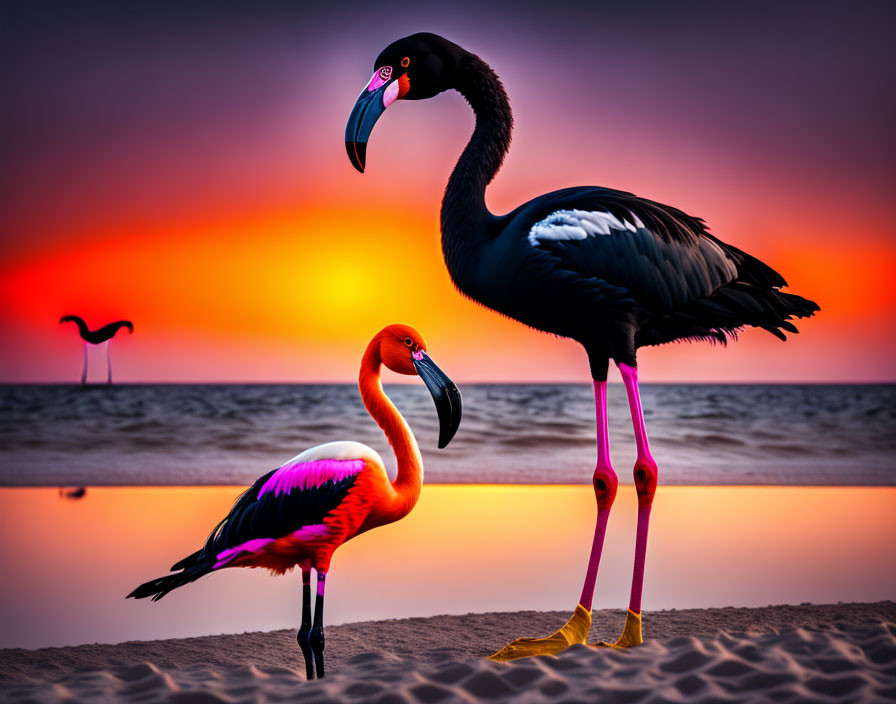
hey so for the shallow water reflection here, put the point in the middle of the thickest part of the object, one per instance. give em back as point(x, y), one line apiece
point(68, 564)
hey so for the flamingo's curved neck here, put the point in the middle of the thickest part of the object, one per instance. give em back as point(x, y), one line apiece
point(83, 330)
point(464, 213)
point(410, 465)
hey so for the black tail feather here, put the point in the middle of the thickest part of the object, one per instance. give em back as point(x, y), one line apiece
point(774, 331)
point(188, 561)
point(157, 588)
point(789, 327)
point(731, 308)
point(798, 306)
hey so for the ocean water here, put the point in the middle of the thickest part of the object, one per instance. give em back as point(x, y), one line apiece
point(67, 435)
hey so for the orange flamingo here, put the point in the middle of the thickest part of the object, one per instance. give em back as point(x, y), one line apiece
point(301, 512)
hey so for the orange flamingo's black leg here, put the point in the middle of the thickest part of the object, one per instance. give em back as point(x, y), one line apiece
point(303, 636)
point(317, 631)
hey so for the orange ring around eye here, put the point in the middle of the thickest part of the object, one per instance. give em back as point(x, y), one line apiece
point(405, 62)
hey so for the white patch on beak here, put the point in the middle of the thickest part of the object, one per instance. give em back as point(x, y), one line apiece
point(390, 94)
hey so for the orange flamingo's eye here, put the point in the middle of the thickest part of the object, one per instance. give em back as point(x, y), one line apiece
point(408, 341)
point(405, 62)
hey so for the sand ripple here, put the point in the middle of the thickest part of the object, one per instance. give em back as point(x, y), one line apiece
point(838, 661)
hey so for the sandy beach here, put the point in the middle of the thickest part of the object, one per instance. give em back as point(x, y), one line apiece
point(842, 652)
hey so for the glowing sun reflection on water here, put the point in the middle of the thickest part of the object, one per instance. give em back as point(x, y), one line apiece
point(68, 564)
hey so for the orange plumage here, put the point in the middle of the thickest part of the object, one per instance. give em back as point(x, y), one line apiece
point(301, 512)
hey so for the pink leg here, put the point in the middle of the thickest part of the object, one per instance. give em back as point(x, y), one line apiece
point(605, 483)
point(645, 482)
point(576, 628)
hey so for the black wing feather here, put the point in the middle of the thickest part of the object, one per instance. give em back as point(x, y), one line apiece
point(686, 282)
point(251, 517)
point(660, 272)
point(274, 516)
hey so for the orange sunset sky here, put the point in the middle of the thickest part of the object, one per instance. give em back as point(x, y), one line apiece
point(183, 166)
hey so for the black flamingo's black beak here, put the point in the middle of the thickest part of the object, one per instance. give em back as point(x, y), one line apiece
point(370, 105)
point(444, 392)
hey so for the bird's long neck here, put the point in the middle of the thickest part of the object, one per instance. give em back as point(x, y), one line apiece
point(464, 213)
point(410, 465)
point(82, 326)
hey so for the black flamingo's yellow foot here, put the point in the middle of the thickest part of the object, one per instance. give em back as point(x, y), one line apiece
point(631, 633)
point(574, 631)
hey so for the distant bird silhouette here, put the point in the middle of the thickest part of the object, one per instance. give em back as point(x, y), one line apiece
point(75, 494)
point(606, 268)
point(300, 513)
point(95, 337)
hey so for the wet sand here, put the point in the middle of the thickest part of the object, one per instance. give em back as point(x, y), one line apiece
point(842, 652)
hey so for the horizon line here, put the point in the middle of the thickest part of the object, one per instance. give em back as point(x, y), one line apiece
point(741, 382)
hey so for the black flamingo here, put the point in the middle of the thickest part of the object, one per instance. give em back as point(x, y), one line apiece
point(606, 268)
point(95, 337)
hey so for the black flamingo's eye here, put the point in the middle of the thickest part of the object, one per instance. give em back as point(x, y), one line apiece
point(408, 341)
point(405, 62)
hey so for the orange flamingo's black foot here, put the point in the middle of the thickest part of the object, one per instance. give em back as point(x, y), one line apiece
point(317, 648)
point(311, 637)
point(305, 645)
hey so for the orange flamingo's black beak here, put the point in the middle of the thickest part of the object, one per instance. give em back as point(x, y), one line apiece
point(445, 394)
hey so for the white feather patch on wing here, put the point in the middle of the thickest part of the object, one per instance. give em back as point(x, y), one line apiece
point(345, 450)
point(579, 225)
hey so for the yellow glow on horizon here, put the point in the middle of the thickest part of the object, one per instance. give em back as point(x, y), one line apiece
point(296, 295)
